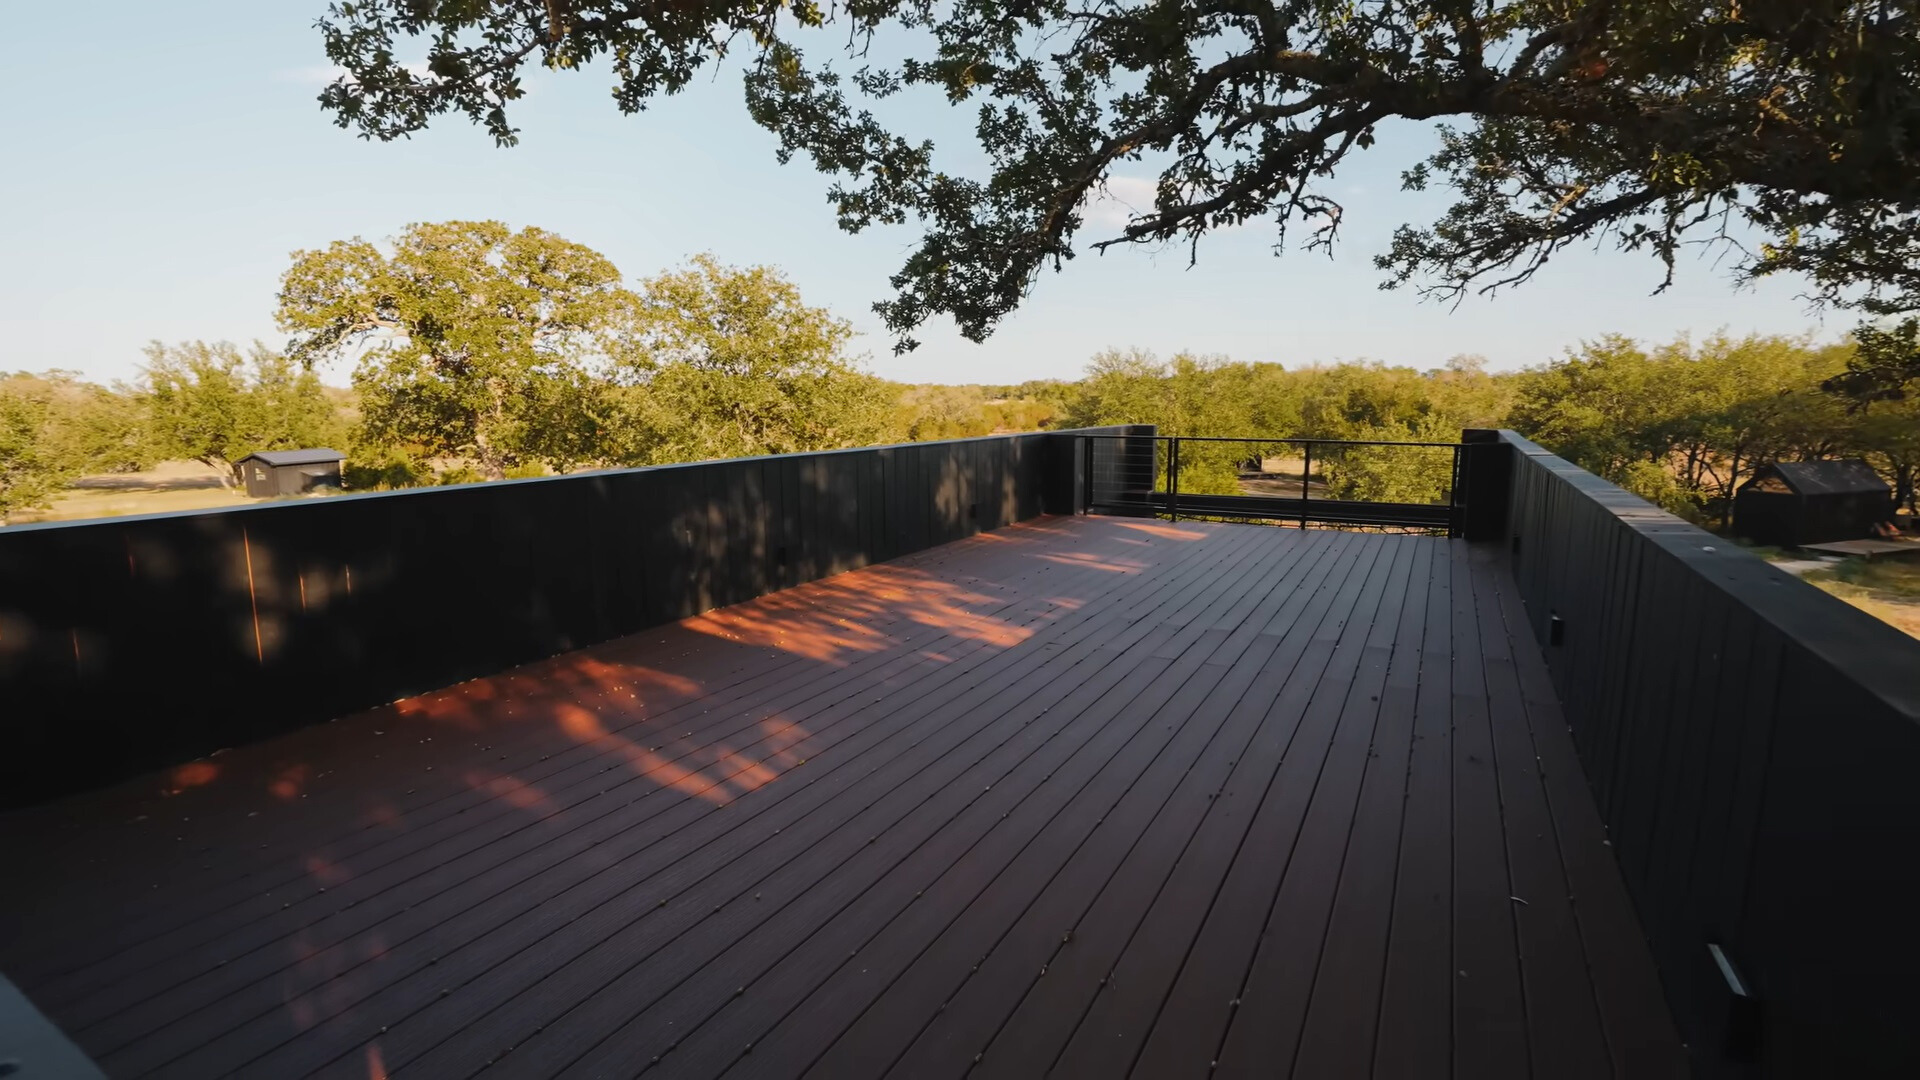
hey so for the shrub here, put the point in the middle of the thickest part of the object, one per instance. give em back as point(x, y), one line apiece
point(383, 474)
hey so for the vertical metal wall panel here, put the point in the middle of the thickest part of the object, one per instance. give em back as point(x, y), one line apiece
point(923, 480)
point(802, 506)
point(654, 539)
point(740, 513)
point(1833, 880)
point(849, 540)
point(791, 538)
point(603, 572)
point(1752, 743)
point(912, 463)
point(721, 542)
point(872, 512)
point(815, 514)
point(888, 461)
point(553, 558)
point(974, 512)
point(132, 643)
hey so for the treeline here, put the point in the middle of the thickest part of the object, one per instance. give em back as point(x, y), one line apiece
point(473, 352)
point(1682, 424)
point(477, 352)
point(195, 401)
point(1217, 397)
point(1686, 423)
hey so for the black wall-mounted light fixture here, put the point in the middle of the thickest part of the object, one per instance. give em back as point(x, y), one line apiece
point(1743, 1010)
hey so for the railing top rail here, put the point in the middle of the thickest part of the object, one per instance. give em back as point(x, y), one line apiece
point(1289, 441)
point(1872, 653)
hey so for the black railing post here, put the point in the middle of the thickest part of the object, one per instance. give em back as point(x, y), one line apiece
point(1306, 470)
point(1485, 484)
point(1084, 502)
point(1456, 517)
point(1173, 478)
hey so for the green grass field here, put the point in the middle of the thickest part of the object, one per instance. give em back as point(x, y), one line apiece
point(1888, 589)
point(171, 485)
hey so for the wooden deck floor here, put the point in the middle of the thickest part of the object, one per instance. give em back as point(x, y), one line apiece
point(1095, 797)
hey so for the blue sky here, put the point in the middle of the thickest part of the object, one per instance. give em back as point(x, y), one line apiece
point(159, 178)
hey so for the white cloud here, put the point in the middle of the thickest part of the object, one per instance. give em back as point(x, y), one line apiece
point(1124, 198)
point(1112, 206)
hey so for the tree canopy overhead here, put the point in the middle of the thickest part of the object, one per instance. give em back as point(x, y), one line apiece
point(1645, 123)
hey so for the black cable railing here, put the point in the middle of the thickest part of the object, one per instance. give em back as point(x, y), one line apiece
point(1403, 486)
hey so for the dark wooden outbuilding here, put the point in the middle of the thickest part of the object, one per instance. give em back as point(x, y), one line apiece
point(1811, 502)
point(289, 472)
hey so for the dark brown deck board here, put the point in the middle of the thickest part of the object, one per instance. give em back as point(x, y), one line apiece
point(1035, 915)
point(1489, 1013)
point(1413, 1033)
point(1626, 988)
point(580, 831)
point(903, 1013)
point(319, 803)
point(1108, 1038)
point(781, 679)
point(190, 908)
point(1030, 1011)
point(510, 960)
point(1058, 777)
point(1565, 1036)
point(1264, 1036)
point(1200, 1007)
point(1055, 796)
point(1335, 1039)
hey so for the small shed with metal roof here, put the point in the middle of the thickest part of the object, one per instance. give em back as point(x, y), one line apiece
point(268, 473)
point(1791, 503)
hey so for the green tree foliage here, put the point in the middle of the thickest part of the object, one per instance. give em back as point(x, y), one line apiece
point(34, 459)
point(55, 427)
point(1372, 402)
point(1877, 385)
point(470, 340)
point(1889, 435)
point(1685, 424)
point(213, 403)
point(1634, 122)
point(727, 362)
point(1885, 365)
point(964, 412)
point(942, 412)
point(1215, 397)
point(1188, 396)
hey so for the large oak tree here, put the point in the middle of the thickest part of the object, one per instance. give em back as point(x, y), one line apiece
point(1645, 123)
point(732, 362)
point(470, 340)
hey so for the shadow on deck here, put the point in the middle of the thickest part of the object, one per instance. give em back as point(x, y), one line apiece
point(1099, 797)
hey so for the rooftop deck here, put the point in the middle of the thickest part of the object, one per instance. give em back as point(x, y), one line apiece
point(1098, 796)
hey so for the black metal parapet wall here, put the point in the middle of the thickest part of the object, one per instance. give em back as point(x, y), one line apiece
point(133, 643)
point(1754, 746)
